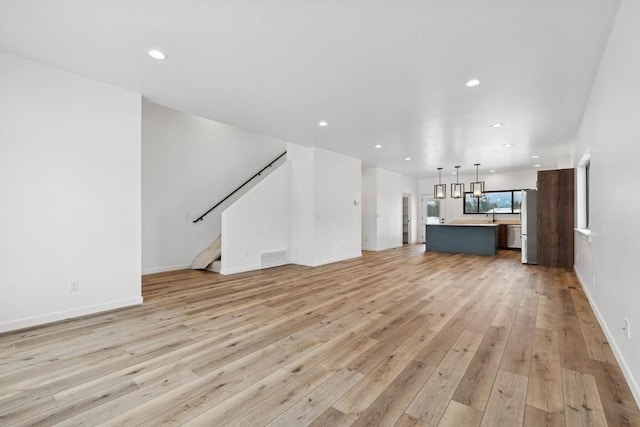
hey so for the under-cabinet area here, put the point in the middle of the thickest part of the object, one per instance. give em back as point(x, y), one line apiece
point(508, 236)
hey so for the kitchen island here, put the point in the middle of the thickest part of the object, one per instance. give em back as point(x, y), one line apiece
point(476, 239)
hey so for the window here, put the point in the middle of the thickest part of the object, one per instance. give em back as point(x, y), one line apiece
point(587, 168)
point(503, 202)
point(583, 190)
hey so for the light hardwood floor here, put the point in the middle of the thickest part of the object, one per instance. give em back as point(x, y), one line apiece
point(397, 337)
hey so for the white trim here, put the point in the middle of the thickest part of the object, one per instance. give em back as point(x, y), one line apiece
point(336, 259)
point(585, 233)
point(312, 264)
point(165, 269)
point(246, 268)
point(385, 247)
point(626, 371)
point(68, 314)
point(581, 190)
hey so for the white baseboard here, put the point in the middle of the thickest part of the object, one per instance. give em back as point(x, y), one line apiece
point(310, 264)
point(227, 271)
point(67, 314)
point(336, 259)
point(390, 246)
point(164, 269)
point(626, 371)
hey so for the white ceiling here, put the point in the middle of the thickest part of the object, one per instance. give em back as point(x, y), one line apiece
point(379, 71)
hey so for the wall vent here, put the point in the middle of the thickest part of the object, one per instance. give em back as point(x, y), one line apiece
point(272, 259)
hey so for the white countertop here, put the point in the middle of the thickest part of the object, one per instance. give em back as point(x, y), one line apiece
point(499, 221)
point(467, 225)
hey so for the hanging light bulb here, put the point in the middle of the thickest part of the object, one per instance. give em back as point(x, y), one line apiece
point(440, 189)
point(477, 187)
point(457, 189)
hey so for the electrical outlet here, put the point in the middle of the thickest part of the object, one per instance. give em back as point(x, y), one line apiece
point(627, 328)
point(74, 286)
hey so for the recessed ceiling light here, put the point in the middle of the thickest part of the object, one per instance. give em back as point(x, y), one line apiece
point(536, 166)
point(473, 82)
point(492, 171)
point(496, 125)
point(323, 123)
point(453, 173)
point(157, 54)
point(378, 146)
point(407, 158)
point(535, 156)
point(508, 145)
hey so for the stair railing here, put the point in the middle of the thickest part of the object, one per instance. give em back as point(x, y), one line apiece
point(201, 217)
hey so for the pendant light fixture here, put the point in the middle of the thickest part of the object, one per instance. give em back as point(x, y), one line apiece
point(440, 189)
point(457, 189)
point(477, 187)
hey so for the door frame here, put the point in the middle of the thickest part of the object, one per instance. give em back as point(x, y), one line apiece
point(423, 207)
point(407, 196)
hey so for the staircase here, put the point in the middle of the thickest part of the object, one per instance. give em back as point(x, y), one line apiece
point(215, 266)
point(209, 259)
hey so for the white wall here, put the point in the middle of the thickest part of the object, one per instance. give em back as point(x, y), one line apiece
point(188, 164)
point(302, 204)
point(389, 209)
point(70, 195)
point(325, 216)
point(382, 210)
point(369, 209)
point(258, 222)
point(338, 190)
point(608, 266)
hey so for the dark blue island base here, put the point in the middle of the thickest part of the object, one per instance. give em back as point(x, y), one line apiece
point(461, 238)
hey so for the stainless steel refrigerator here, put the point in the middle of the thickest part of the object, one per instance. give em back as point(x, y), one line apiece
point(529, 222)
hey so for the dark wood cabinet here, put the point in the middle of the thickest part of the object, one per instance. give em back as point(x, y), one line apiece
point(555, 217)
point(501, 238)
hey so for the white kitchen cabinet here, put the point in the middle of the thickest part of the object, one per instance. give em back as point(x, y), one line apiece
point(514, 236)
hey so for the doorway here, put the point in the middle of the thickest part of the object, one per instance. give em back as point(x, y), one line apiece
point(432, 212)
point(406, 218)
